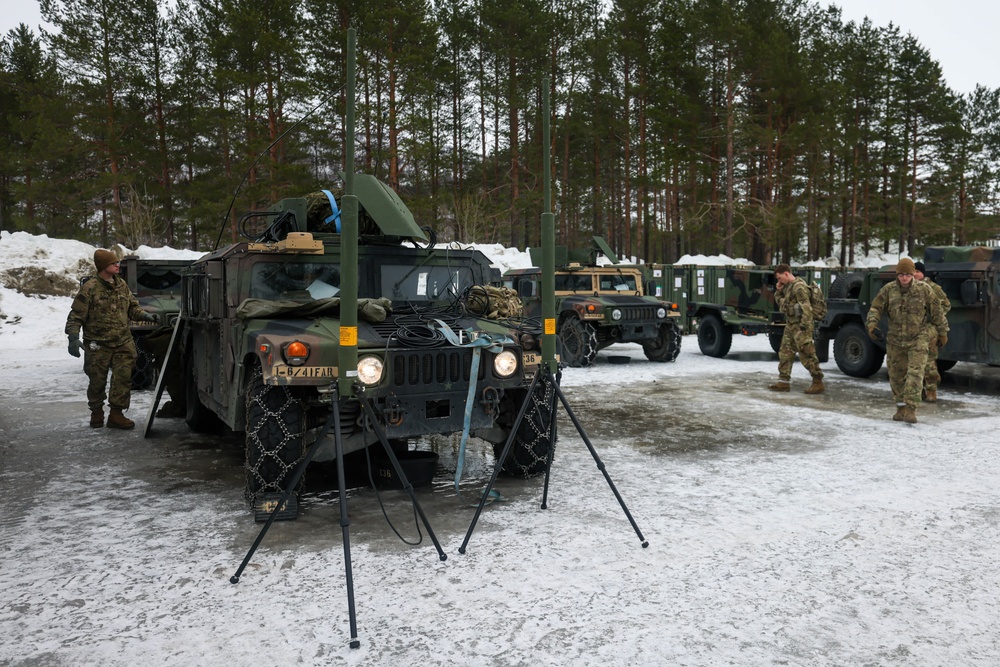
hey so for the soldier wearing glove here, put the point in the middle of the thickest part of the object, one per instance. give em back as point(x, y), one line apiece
point(913, 313)
point(102, 310)
point(874, 333)
point(793, 299)
point(932, 377)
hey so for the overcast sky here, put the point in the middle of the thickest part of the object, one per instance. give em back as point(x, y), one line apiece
point(960, 34)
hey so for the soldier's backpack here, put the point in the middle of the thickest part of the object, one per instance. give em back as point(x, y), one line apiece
point(817, 301)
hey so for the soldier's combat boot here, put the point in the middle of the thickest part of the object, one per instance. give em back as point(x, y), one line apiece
point(898, 417)
point(780, 385)
point(97, 419)
point(117, 420)
point(910, 415)
point(931, 396)
point(817, 386)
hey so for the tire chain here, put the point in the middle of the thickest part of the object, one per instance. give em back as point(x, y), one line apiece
point(537, 417)
point(270, 455)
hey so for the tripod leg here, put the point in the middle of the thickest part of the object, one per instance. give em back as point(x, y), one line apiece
point(345, 523)
point(499, 462)
point(600, 463)
point(370, 413)
point(287, 493)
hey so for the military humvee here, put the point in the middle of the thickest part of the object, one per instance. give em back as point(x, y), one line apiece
point(726, 301)
point(969, 276)
point(260, 339)
point(598, 306)
point(156, 283)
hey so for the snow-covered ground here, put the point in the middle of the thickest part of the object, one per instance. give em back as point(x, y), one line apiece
point(783, 530)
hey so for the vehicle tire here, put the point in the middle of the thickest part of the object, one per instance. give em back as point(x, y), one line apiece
point(846, 286)
point(667, 344)
point(714, 339)
point(579, 342)
point(945, 365)
point(199, 418)
point(144, 373)
point(775, 340)
point(855, 352)
point(531, 444)
point(275, 436)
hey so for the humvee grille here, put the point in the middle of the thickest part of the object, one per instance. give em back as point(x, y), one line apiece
point(639, 313)
point(437, 367)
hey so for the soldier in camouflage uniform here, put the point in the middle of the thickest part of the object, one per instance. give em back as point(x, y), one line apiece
point(102, 308)
point(914, 313)
point(932, 377)
point(794, 301)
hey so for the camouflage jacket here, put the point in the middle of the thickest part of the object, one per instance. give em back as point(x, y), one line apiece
point(939, 293)
point(795, 303)
point(911, 312)
point(103, 310)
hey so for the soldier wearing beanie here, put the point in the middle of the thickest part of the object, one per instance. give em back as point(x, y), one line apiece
point(102, 309)
point(932, 377)
point(794, 301)
point(914, 315)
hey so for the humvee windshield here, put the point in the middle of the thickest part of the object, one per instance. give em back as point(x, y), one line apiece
point(304, 281)
point(618, 283)
point(408, 282)
point(574, 282)
point(165, 280)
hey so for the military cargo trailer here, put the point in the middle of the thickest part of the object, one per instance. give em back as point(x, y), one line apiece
point(261, 342)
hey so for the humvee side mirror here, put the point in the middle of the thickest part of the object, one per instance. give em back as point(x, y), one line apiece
point(524, 288)
point(970, 293)
point(650, 287)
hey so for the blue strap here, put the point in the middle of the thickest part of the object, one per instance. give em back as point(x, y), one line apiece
point(483, 340)
point(334, 211)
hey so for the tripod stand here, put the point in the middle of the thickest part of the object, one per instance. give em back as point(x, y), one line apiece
point(545, 379)
point(334, 421)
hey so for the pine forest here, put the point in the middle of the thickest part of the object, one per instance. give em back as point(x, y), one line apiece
point(768, 129)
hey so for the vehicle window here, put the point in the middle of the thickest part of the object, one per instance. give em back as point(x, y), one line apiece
point(300, 281)
point(574, 282)
point(159, 281)
point(617, 283)
point(424, 283)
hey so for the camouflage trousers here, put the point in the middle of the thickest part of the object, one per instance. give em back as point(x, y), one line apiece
point(906, 365)
point(932, 377)
point(120, 361)
point(797, 340)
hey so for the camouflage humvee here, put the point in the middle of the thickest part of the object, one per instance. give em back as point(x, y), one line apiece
point(260, 343)
point(598, 306)
point(969, 276)
point(156, 283)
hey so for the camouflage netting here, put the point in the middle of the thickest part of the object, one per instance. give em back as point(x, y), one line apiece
point(493, 303)
point(369, 310)
point(318, 210)
point(946, 254)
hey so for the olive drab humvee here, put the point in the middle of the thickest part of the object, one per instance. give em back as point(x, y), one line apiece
point(597, 306)
point(156, 283)
point(260, 342)
point(969, 276)
point(719, 302)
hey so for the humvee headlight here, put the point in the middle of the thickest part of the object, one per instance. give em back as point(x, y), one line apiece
point(296, 353)
point(661, 312)
point(370, 370)
point(505, 364)
point(616, 314)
